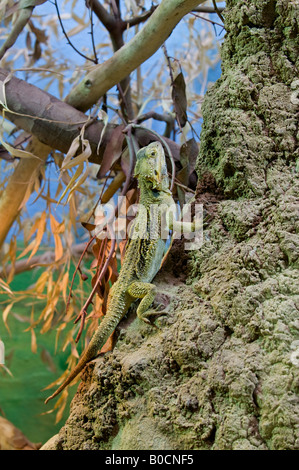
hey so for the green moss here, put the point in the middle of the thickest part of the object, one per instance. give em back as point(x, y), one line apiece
point(249, 116)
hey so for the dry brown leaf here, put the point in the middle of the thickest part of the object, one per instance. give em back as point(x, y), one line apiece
point(88, 226)
point(57, 228)
point(40, 226)
point(179, 98)
point(33, 335)
point(5, 315)
point(47, 359)
point(33, 341)
point(61, 403)
point(40, 34)
point(112, 151)
point(41, 282)
point(64, 286)
point(5, 287)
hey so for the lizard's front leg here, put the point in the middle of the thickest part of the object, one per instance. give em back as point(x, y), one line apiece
point(146, 292)
point(182, 226)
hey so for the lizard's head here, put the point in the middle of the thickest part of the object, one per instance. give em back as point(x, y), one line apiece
point(151, 166)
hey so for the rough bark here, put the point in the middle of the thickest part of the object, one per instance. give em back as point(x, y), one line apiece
point(223, 371)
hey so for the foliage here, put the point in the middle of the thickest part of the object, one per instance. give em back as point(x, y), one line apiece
point(59, 210)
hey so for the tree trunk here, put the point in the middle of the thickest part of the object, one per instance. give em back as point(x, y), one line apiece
point(222, 372)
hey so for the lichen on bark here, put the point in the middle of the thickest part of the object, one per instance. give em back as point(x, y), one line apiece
point(223, 370)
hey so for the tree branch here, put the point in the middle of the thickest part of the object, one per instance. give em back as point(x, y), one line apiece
point(139, 19)
point(142, 46)
point(48, 257)
point(23, 17)
point(217, 10)
point(103, 15)
point(115, 27)
point(204, 9)
point(67, 38)
point(207, 19)
point(167, 118)
point(95, 84)
point(56, 123)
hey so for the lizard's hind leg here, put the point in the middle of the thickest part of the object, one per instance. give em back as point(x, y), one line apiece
point(146, 292)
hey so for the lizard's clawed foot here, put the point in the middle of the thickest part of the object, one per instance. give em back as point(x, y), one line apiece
point(151, 315)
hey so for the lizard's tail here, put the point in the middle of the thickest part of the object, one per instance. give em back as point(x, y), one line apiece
point(98, 340)
point(70, 378)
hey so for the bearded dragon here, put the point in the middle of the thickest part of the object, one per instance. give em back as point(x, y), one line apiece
point(144, 253)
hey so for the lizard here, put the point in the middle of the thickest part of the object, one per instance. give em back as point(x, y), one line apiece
point(144, 252)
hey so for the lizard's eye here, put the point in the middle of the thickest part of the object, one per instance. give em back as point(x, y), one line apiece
point(153, 153)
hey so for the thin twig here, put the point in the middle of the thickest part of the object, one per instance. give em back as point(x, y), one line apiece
point(139, 19)
point(168, 118)
point(92, 36)
point(94, 289)
point(66, 36)
point(218, 11)
point(36, 261)
point(113, 187)
point(204, 9)
point(167, 57)
point(105, 18)
point(83, 311)
point(77, 269)
point(206, 19)
point(123, 101)
point(101, 253)
point(181, 185)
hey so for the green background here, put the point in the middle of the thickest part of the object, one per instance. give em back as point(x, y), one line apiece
point(21, 396)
